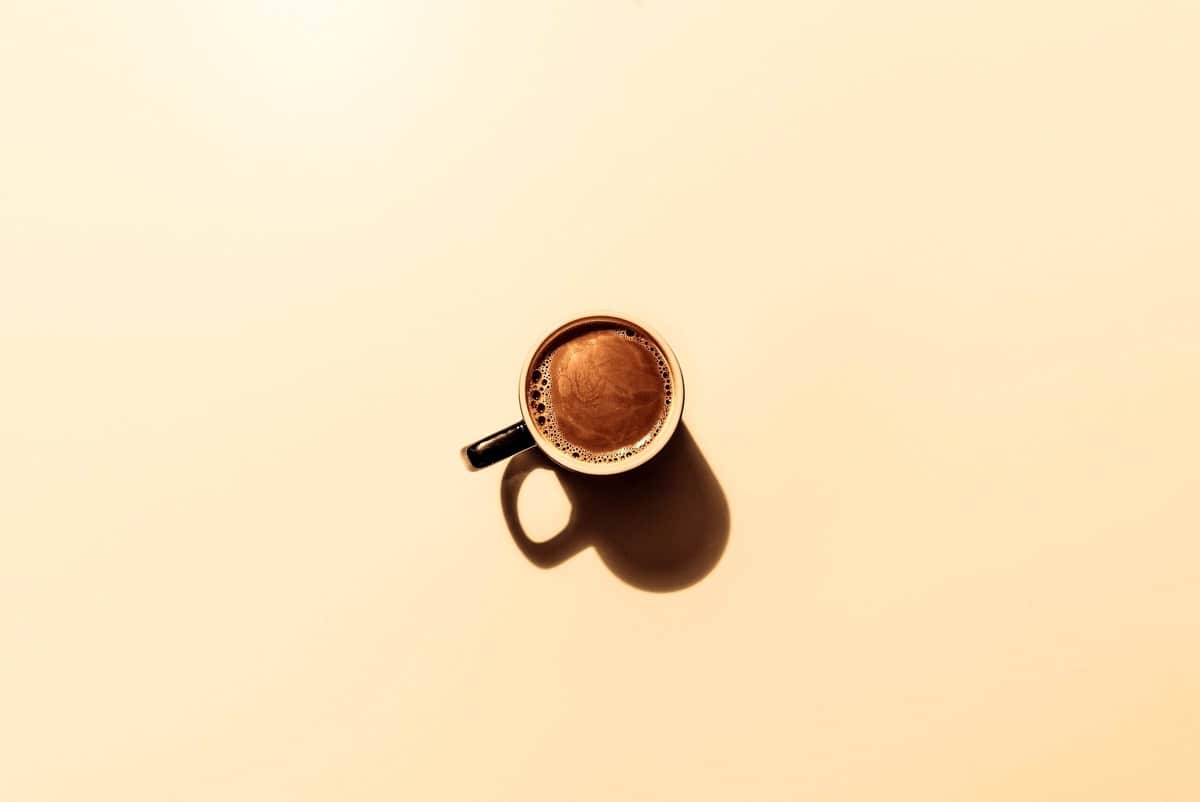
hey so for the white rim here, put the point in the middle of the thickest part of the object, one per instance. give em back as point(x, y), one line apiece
point(674, 415)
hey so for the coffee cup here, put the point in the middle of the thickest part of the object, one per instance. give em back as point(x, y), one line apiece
point(600, 394)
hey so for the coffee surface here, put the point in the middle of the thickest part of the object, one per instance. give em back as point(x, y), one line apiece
point(601, 392)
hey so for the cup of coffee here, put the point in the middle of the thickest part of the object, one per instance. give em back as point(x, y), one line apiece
point(600, 394)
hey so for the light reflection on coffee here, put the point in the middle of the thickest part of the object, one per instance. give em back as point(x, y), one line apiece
point(599, 391)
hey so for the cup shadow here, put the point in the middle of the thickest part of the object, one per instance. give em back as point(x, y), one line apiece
point(660, 527)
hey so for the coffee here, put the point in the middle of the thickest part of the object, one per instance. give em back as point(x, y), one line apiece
point(599, 391)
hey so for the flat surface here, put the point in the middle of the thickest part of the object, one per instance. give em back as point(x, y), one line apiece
point(932, 270)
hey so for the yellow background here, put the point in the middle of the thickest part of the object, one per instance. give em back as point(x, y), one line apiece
point(932, 269)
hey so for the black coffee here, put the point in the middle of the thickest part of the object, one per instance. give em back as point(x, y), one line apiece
point(599, 391)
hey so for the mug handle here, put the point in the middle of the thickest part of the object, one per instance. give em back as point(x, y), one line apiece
point(498, 445)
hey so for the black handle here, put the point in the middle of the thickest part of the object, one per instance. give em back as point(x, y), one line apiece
point(501, 445)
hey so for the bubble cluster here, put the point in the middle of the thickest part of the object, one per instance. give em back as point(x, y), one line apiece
point(539, 396)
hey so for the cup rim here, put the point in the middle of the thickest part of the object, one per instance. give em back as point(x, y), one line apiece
point(670, 424)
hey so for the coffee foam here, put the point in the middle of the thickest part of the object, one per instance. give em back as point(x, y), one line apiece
point(539, 395)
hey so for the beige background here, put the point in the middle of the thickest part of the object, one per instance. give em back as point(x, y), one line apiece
point(933, 272)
